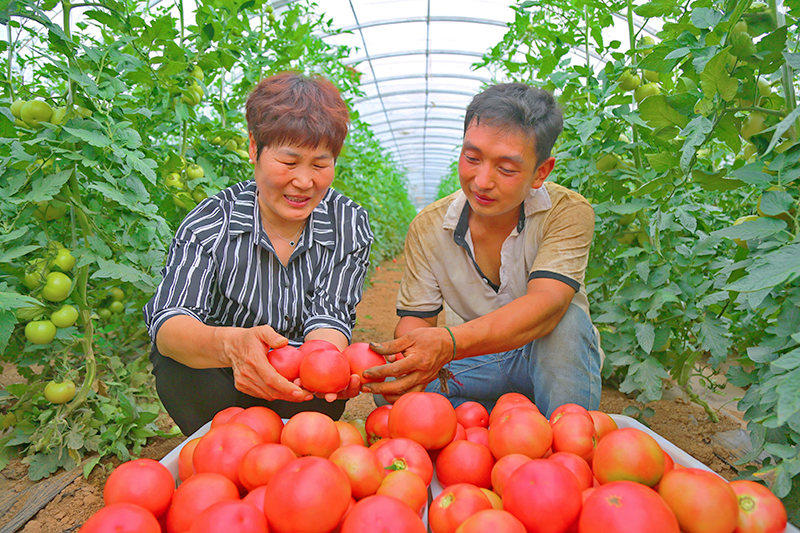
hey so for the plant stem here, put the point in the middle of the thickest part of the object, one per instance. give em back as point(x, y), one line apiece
point(10, 61)
point(787, 74)
point(637, 158)
point(712, 415)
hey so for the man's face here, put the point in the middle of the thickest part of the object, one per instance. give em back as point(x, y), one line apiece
point(497, 169)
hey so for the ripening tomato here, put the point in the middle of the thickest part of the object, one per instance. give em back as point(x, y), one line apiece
point(454, 505)
point(230, 516)
point(507, 401)
point(424, 417)
point(702, 501)
point(348, 434)
point(407, 487)
point(309, 494)
point(317, 344)
point(256, 497)
point(463, 461)
point(578, 466)
point(145, 482)
point(266, 422)
point(472, 414)
point(520, 430)
point(222, 448)
point(625, 506)
point(491, 520)
point(122, 518)
point(377, 424)
point(504, 467)
point(311, 433)
point(628, 454)
point(478, 435)
point(381, 514)
point(362, 468)
point(185, 468)
point(361, 357)
point(195, 495)
point(324, 371)
point(603, 424)
point(543, 495)
point(569, 408)
point(405, 454)
point(760, 511)
point(494, 498)
point(669, 464)
point(286, 361)
point(260, 463)
point(224, 415)
point(574, 432)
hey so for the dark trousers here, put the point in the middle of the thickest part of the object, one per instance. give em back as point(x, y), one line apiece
point(193, 396)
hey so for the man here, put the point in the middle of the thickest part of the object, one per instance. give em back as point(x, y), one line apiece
point(508, 255)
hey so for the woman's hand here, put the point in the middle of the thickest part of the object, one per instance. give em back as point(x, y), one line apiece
point(246, 351)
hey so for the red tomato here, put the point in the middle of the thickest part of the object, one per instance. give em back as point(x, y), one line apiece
point(230, 516)
point(382, 514)
point(603, 424)
point(628, 454)
point(361, 357)
point(472, 414)
point(669, 464)
point(625, 506)
point(424, 417)
point(122, 518)
point(520, 430)
point(310, 433)
point(256, 497)
point(194, 496)
point(507, 401)
point(145, 482)
point(491, 520)
point(578, 466)
point(702, 501)
point(348, 434)
point(286, 361)
point(543, 495)
point(569, 408)
point(223, 416)
point(454, 505)
point(478, 435)
point(760, 511)
point(260, 463)
point(461, 433)
point(263, 420)
point(405, 454)
point(362, 468)
point(463, 461)
point(574, 433)
point(317, 344)
point(309, 494)
point(185, 468)
point(504, 467)
point(222, 448)
point(377, 424)
point(324, 371)
point(407, 487)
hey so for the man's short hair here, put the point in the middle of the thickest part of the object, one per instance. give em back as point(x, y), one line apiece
point(289, 108)
point(517, 105)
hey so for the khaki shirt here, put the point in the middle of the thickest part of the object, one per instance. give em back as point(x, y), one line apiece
point(551, 240)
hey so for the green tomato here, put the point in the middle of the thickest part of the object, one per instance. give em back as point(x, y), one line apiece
point(231, 144)
point(742, 45)
point(629, 81)
point(40, 331)
point(57, 286)
point(52, 210)
point(753, 125)
point(174, 181)
point(195, 171)
point(59, 392)
point(197, 73)
point(63, 260)
point(198, 195)
point(739, 242)
point(652, 76)
point(83, 112)
point(190, 97)
point(104, 313)
point(116, 307)
point(739, 27)
point(34, 112)
point(116, 294)
point(243, 153)
point(16, 107)
point(58, 116)
point(648, 89)
point(183, 200)
point(217, 141)
point(32, 280)
point(65, 317)
point(607, 162)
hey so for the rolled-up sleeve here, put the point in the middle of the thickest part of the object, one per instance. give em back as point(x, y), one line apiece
point(339, 290)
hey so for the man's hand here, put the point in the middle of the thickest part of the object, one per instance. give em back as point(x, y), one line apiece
point(246, 350)
point(424, 352)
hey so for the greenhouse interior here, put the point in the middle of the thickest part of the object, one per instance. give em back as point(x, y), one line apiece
point(397, 155)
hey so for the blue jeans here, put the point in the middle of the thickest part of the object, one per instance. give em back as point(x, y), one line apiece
point(562, 367)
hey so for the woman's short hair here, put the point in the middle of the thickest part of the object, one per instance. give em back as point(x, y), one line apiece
point(517, 105)
point(290, 108)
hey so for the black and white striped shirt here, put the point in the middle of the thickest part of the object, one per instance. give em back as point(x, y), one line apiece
point(222, 269)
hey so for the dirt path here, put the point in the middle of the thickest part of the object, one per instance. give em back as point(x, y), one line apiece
point(680, 422)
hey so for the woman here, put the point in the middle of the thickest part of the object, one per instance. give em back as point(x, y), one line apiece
point(275, 259)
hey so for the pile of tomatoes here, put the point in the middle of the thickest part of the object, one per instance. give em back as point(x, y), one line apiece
point(511, 471)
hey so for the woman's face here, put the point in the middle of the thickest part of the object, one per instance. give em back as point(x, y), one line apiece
point(291, 181)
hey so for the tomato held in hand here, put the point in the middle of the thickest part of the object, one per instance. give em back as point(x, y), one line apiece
point(324, 371)
point(40, 331)
point(59, 392)
point(286, 361)
point(361, 357)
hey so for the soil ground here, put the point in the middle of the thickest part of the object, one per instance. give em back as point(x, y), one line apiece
point(682, 423)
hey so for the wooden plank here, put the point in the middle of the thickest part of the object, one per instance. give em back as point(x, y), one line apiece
point(37, 496)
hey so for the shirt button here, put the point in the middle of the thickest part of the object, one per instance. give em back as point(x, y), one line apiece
point(286, 317)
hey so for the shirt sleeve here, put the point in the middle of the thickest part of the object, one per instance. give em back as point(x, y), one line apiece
point(186, 285)
point(566, 239)
point(337, 292)
point(419, 293)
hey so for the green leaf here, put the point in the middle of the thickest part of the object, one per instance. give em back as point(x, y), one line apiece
point(716, 79)
point(662, 161)
point(8, 320)
point(786, 362)
point(118, 271)
point(704, 18)
point(143, 166)
point(94, 138)
point(783, 126)
point(774, 203)
point(715, 182)
point(752, 229)
point(89, 465)
point(645, 334)
point(43, 465)
point(788, 399)
point(10, 301)
point(8, 255)
point(656, 8)
point(695, 133)
point(792, 59)
point(713, 336)
point(647, 376)
point(47, 187)
point(770, 270)
point(657, 113)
